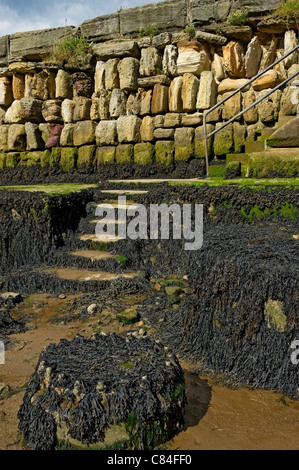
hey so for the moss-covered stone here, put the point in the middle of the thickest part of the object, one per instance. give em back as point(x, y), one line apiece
point(105, 155)
point(86, 156)
point(45, 158)
point(12, 159)
point(184, 152)
point(68, 158)
point(164, 151)
point(239, 137)
point(233, 170)
point(267, 164)
point(124, 153)
point(55, 156)
point(274, 315)
point(223, 142)
point(127, 317)
point(2, 160)
point(184, 143)
point(199, 148)
point(144, 153)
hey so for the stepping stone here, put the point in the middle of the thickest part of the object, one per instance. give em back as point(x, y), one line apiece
point(123, 191)
point(94, 238)
point(74, 274)
point(93, 255)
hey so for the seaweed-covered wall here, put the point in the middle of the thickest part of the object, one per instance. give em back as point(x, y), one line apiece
point(136, 99)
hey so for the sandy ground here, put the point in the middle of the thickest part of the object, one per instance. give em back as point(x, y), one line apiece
point(217, 418)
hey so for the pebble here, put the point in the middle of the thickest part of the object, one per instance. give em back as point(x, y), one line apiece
point(92, 309)
point(62, 296)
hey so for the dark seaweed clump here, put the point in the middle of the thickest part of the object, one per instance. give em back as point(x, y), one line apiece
point(84, 386)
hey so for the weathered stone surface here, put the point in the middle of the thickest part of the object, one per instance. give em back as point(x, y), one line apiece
point(199, 138)
point(13, 114)
point(268, 56)
point(169, 63)
point(210, 38)
point(239, 131)
point(229, 85)
point(3, 51)
point(189, 91)
point(175, 95)
point(250, 116)
point(207, 93)
point(192, 119)
point(253, 57)
point(239, 33)
point(116, 50)
point(54, 131)
point(16, 138)
point(148, 82)
point(6, 96)
point(290, 41)
point(289, 101)
point(286, 136)
point(45, 131)
point(67, 110)
point(164, 152)
point(144, 99)
point(36, 86)
point(31, 110)
point(128, 69)
point(232, 106)
point(106, 133)
point(3, 137)
point(68, 159)
point(33, 45)
point(172, 120)
point(86, 157)
point(234, 59)
point(128, 129)
point(223, 141)
point(33, 136)
point(95, 109)
point(217, 68)
point(193, 57)
point(67, 135)
point(147, 129)
point(83, 83)
point(82, 109)
point(105, 155)
point(159, 121)
point(184, 143)
point(159, 103)
point(18, 86)
point(162, 14)
point(111, 74)
point(160, 41)
point(268, 109)
point(164, 134)
point(150, 62)
point(124, 153)
point(275, 25)
point(144, 153)
point(84, 133)
point(270, 79)
point(103, 27)
point(22, 67)
point(99, 77)
point(118, 102)
point(145, 41)
point(51, 111)
point(64, 85)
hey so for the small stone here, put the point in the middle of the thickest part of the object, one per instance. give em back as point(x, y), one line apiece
point(62, 296)
point(92, 309)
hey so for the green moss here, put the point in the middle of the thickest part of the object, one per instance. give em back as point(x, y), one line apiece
point(86, 156)
point(127, 365)
point(184, 152)
point(55, 156)
point(217, 171)
point(148, 31)
point(164, 151)
point(128, 317)
point(262, 165)
point(237, 17)
point(255, 213)
point(288, 10)
point(124, 153)
point(12, 159)
point(71, 50)
point(144, 153)
point(274, 315)
point(105, 155)
point(2, 160)
point(100, 246)
point(179, 392)
point(288, 211)
point(121, 258)
point(223, 142)
point(34, 214)
point(68, 158)
point(45, 158)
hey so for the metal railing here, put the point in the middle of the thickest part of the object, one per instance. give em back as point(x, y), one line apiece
point(206, 113)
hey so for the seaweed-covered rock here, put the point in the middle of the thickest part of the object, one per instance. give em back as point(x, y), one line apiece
point(106, 392)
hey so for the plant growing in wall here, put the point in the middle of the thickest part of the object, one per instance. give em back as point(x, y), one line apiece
point(148, 31)
point(72, 50)
point(288, 10)
point(237, 18)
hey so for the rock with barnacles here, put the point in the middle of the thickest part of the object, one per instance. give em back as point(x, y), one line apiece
point(105, 392)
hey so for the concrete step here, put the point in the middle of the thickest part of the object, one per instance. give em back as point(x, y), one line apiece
point(85, 275)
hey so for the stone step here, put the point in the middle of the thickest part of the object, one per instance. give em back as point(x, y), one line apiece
point(286, 136)
point(274, 161)
point(108, 221)
point(93, 255)
point(94, 238)
point(84, 275)
point(255, 146)
point(155, 180)
point(129, 192)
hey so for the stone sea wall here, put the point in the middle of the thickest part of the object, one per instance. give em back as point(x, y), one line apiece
point(139, 101)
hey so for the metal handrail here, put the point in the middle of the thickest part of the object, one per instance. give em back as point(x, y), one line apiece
point(207, 136)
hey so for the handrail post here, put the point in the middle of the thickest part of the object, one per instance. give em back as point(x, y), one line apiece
point(206, 143)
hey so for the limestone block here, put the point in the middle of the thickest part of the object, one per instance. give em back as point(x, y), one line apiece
point(140, 103)
point(33, 136)
point(159, 103)
point(82, 109)
point(193, 57)
point(67, 135)
point(118, 102)
point(147, 129)
point(164, 152)
point(253, 57)
point(106, 133)
point(223, 140)
point(144, 153)
point(99, 77)
point(111, 74)
point(169, 63)
point(234, 59)
point(175, 95)
point(194, 119)
point(6, 95)
point(239, 131)
point(250, 116)
point(16, 138)
point(124, 153)
point(229, 85)
point(36, 86)
point(128, 129)
point(3, 137)
point(184, 143)
point(67, 110)
point(103, 27)
point(31, 110)
point(269, 54)
point(207, 93)
point(13, 114)
point(104, 102)
point(217, 68)
point(150, 62)
point(105, 155)
point(119, 50)
point(128, 69)
point(290, 41)
point(18, 86)
point(84, 133)
point(189, 91)
point(51, 111)
point(164, 134)
point(270, 79)
point(172, 120)
point(64, 85)
point(200, 142)
point(232, 106)
point(162, 40)
point(149, 82)
point(268, 109)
